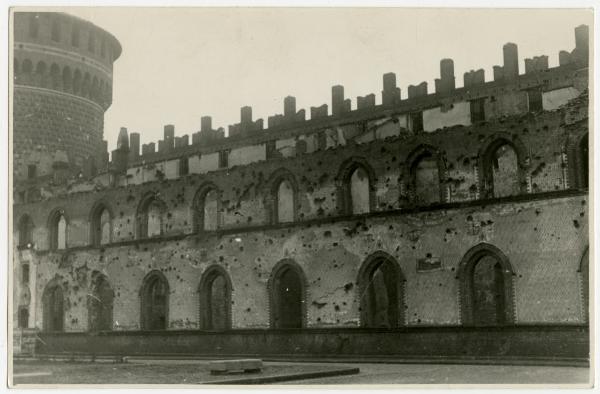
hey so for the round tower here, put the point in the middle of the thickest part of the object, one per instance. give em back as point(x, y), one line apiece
point(62, 86)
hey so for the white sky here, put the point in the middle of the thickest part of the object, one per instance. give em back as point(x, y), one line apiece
point(179, 64)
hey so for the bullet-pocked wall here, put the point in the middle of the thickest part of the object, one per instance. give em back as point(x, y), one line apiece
point(463, 207)
point(545, 279)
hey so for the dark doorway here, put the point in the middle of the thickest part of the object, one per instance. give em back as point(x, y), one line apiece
point(155, 297)
point(287, 298)
point(53, 309)
point(100, 307)
point(215, 300)
point(488, 292)
point(381, 293)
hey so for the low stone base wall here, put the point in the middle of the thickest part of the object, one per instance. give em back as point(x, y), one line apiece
point(548, 342)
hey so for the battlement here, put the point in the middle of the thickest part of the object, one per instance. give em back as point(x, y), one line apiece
point(293, 121)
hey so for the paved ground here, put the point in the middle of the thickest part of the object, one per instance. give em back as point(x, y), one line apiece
point(457, 374)
point(190, 372)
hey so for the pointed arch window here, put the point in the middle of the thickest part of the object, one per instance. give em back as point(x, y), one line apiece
point(356, 187)
point(57, 229)
point(150, 217)
point(287, 289)
point(206, 208)
point(215, 299)
point(381, 289)
point(100, 305)
point(155, 302)
point(100, 225)
point(486, 294)
point(53, 307)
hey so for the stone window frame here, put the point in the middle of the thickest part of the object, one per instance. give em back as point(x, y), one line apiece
point(52, 284)
point(146, 282)
point(584, 274)
point(489, 147)
point(25, 230)
point(52, 226)
point(412, 159)
point(142, 215)
point(95, 219)
point(344, 187)
point(465, 277)
point(271, 194)
point(276, 272)
point(365, 271)
point(94, 284)
point(208, 276)
point(198, 207)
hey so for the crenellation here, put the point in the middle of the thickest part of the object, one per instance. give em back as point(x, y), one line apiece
point(367, 101)
point(390, 95)
point(247, 125)
point(446, 83)
point(473, 77)
point(422, 188)
point(419, 90)
point(536, 64)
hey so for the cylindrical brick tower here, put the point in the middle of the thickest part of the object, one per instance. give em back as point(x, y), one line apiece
point(62, 87)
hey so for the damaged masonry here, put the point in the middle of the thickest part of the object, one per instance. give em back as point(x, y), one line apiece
point(407, 228)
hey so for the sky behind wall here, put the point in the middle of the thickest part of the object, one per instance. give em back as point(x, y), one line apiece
point(179, 64)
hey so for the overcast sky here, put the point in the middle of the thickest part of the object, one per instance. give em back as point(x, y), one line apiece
point(179, 64)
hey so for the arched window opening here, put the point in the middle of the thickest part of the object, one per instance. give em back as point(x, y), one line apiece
point(486, 287)
point(85, 87)
point(154, 219)
point(27, 70)
point(100, 305)
point(285, 202)
point(40, 72)
point(584, 154)
point(150, 217)
point(25, 231)
point(287, 291)
point(215, 300)
point(381, 284)
point(155, 301)
point(77, 82)
point(501, 173)
point(359, 191)
point(58, 231)
point(53, 306)
point(55, 76)
point(101, 225)
point(55, 32)
point(206, 209)
point(425, 176)
point(66, 77)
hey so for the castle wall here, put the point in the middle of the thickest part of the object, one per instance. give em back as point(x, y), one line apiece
point(544, 254)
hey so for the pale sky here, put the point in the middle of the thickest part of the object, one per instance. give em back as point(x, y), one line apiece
point(179, 64)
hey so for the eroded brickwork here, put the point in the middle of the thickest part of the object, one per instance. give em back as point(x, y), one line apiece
point(237, 232)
